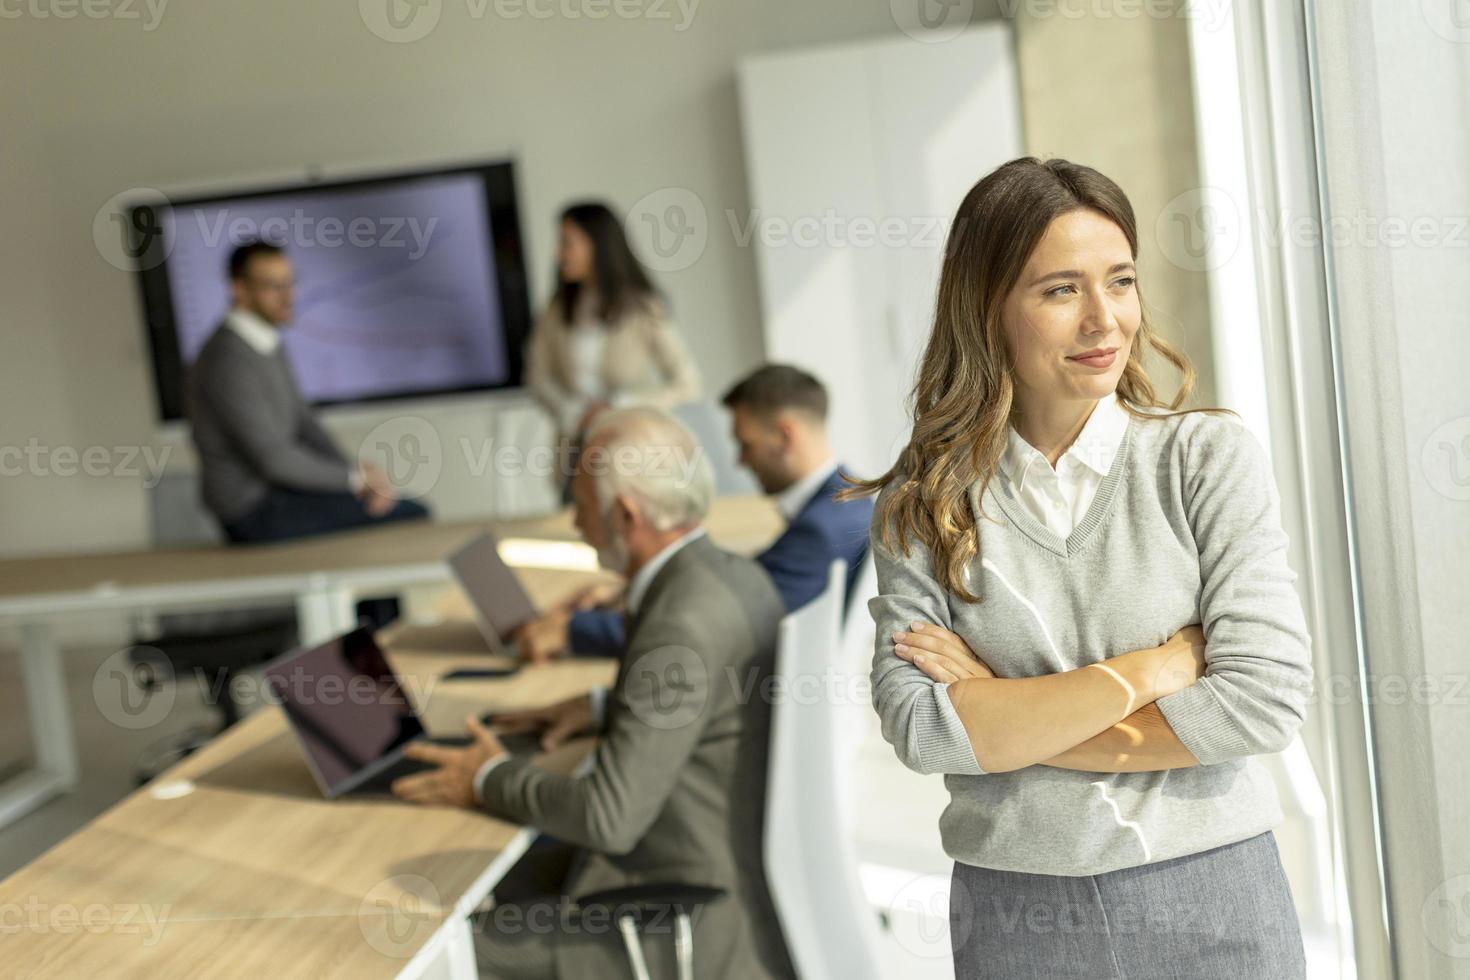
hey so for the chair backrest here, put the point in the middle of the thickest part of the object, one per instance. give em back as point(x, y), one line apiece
point(177, 515)
point(856, 719)
point(711, 427)
point(811, 865)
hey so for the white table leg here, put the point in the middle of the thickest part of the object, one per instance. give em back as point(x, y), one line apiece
point(57, 768)
point(460, 951)
point(449, 954)
point(323, 611)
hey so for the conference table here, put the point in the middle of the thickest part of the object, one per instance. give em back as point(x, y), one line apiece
point(232, 864)
point(321, 576)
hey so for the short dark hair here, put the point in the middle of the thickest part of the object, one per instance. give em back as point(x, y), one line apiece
point(245, 251)
point(775, 387)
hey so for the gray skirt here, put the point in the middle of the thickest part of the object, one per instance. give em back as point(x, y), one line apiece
point(1224, 913)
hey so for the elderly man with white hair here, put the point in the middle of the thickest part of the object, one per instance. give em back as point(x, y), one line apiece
point(677, 788)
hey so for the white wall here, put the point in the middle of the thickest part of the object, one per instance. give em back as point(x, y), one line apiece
point(217, 93)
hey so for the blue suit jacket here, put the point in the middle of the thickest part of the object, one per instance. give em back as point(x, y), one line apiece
point(821, 532)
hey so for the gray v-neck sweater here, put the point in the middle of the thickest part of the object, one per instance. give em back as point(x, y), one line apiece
point(1185, 528)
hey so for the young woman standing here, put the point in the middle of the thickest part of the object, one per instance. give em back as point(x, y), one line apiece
point(605, 339)
point(1086, 620)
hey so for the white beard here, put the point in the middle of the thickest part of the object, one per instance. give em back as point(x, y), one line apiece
point(613, 556)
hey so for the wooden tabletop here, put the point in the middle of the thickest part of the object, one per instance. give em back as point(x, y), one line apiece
point(252, 872)
point(744, 524)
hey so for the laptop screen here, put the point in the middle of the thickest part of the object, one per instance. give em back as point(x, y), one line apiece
point(344, 703)
point(500, 602)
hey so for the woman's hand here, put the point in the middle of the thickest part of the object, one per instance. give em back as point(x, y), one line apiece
point(1181, 660)
point(939, 653)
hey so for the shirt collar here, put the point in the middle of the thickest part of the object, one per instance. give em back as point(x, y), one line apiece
point(260, 335)
point(1094, 447)
point(791, 500)
point(643, 578)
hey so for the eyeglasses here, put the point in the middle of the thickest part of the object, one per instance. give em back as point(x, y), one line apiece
point(284, 286)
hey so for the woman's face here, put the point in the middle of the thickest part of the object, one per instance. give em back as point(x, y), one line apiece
point(574, 253)
point(1075, 297)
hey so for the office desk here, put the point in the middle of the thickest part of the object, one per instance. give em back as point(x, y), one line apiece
point(322, 575)
point(254, 874)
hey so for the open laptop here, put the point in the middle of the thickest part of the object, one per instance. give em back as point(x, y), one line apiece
point(499, 601)
point(351, 716)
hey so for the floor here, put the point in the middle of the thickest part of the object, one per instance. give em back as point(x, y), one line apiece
point(109, 751)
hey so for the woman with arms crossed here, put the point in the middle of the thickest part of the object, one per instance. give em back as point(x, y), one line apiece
point(1086, 620)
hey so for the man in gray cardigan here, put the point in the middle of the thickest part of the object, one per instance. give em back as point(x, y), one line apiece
point(268, 469)
point(677, 787)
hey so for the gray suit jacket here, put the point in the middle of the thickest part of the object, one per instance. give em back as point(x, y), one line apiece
point(678, 789)
point(253, 430)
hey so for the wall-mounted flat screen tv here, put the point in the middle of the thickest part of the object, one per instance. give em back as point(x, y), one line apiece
point(406, 285)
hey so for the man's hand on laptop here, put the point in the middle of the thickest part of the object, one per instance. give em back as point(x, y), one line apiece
point(453, 783)
point(544, 638)
point(556, 723)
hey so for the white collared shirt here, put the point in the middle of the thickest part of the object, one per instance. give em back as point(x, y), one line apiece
point(264, 338)
point(1059, 498)
point(643, 578)
point(791, 500)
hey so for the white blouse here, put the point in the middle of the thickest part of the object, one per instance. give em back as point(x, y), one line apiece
point(1059, 498)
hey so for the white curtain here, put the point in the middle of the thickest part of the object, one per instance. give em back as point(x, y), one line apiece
point(1394, 98)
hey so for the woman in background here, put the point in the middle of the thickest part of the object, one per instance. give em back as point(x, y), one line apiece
point(605, 339)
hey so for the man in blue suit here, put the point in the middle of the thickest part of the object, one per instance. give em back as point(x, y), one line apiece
point(780, 425)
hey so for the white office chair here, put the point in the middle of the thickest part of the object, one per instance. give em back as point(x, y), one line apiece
point(811, 867)
point(855, 716)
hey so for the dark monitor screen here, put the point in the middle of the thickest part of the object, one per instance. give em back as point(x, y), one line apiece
point(344, 703)
point(406, 285)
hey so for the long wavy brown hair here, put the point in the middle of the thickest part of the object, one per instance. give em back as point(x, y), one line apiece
point(962, 402)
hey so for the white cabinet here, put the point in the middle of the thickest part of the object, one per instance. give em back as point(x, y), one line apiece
point(857, 157)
